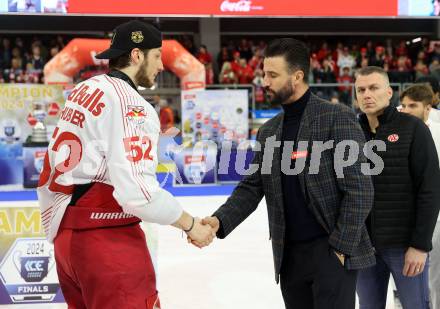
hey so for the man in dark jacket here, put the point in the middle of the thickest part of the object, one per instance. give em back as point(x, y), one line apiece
point(406, 202)
point(317, 202)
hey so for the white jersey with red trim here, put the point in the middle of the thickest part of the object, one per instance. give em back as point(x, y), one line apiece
point(106, 133)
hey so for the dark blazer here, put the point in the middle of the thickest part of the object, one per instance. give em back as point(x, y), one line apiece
point(341, 205)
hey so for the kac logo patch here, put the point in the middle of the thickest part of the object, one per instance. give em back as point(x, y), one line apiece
point(393, 138)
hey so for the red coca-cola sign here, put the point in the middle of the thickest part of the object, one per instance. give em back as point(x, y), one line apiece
point(237, 7)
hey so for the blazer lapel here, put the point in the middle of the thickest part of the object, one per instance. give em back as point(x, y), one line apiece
point(304, 134)
point(276, 163)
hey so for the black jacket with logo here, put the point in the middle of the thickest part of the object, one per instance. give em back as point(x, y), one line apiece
point(407, 199)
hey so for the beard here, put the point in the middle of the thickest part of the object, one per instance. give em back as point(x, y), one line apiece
point(141, 76)
point(280, 97)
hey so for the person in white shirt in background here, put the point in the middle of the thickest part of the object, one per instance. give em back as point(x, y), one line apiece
point(417, 100)
point(432, 81)
point(346, 60)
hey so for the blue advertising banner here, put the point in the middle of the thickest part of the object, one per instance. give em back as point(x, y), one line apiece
point(232, 163)
point(265, 113)
point(22, 106)
point(195, 165)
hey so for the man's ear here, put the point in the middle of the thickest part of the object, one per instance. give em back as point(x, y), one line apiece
point(298, 76)
point(135, 56)
point(390, 92)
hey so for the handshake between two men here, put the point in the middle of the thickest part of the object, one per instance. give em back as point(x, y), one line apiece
point(201, 232)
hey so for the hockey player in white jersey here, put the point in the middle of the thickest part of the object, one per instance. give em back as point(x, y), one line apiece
point(99, 182)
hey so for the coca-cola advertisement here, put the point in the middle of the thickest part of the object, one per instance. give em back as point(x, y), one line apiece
point(384, 8)
point(239, 6)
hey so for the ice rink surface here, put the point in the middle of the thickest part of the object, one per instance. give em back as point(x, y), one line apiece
point(235, 273)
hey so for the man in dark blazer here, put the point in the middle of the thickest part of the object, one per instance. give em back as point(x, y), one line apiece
point(317, 199)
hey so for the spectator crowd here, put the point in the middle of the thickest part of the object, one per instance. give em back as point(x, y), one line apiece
point(22, 60)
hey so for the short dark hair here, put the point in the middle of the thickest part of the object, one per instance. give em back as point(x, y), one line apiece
point(123, 61)
point(296, 54)
point(431, 80)
point(371, 70)
point(419, 93)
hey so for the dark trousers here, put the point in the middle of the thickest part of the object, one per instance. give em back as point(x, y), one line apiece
point(312, 277)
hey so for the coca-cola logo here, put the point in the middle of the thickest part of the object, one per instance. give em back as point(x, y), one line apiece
point(239, 6)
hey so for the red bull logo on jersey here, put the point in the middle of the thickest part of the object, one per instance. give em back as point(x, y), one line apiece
point(136, 113)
